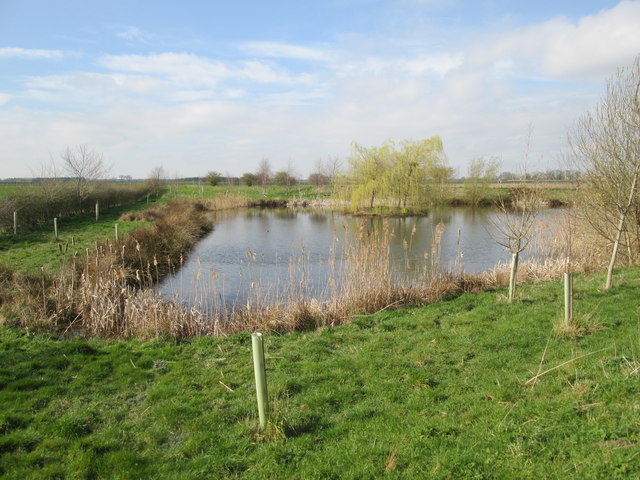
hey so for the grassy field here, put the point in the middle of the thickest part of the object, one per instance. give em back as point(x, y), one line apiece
point(556, 193)
point(8, 189)
point(433, 392)
point(196, 190)
point(30, 250)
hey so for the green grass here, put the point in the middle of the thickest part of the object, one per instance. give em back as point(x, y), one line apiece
point(194, 190)
point(8, 189)
point(30, 250)
point(431, 392)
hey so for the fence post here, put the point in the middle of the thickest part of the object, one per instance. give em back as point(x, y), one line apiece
point(97, 211)
point(568, 298)
point(15, 223)
point(55, 226)
point(261, 377)
point(116, 229)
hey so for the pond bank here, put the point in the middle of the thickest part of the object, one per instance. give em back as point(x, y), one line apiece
point(440, 389)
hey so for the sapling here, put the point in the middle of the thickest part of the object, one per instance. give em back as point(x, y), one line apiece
point(513, 227)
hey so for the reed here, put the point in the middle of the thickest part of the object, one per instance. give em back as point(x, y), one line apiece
point(108, 290)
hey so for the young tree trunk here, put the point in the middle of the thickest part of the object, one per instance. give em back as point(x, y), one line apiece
point(620, 229)
point(614, 252)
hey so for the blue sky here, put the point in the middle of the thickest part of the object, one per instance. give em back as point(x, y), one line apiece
point(208, 85)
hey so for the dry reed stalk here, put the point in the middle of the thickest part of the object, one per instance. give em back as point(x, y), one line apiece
point(105, 292)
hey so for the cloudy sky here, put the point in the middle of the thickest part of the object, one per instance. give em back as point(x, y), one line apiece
point(194, 86)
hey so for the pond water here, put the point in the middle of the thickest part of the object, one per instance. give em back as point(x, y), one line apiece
point(259, 247)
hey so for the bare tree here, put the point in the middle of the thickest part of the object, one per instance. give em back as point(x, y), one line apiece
point(155, 179)
point(606, 145)
point(85, 166)
point(512, 227)
point(51, 186)
point(264, 173)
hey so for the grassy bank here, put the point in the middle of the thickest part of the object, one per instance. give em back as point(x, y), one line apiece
point(32, 249)
point(100, 290)
point(433, 392)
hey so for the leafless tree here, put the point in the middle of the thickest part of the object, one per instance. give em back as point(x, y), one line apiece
point(51, 186)
point(85, 166)
point(606, 146)
point(155, 179)
point(513, 226)
point(264, 173)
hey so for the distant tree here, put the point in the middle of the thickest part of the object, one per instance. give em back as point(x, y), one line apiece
point(292, 174)
point(367, 175)
point(406, 173)
point(507, 177)
point(606, 144)
point(155, 179)
point(231, 181)
point(51, 186)
point(213, 178)
point(480, 174)
point(85, 166)
point(249, 179)
point(284, 179)
point(318, 179)
point(264, 173)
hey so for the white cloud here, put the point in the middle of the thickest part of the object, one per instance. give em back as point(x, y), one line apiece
point(30, 54)
point(438, 64)
point(181, 109)
point(587, 50)
point(96, 85)
point(4, 98)
point(597, 44)
point(194, 71)
point(285, 50)
point(183, 68)
point(132, 33)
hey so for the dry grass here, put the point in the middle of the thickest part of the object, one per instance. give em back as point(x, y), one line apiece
point(106, 291)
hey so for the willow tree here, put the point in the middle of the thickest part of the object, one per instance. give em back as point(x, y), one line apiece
point(409, 173)
point(419, 171)
point(606, 144)
point(369, 168)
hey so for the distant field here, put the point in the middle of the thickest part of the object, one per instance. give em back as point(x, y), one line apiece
point(8, 189)
point(195, 190)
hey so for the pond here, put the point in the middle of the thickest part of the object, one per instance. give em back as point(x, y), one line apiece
point(271, 249)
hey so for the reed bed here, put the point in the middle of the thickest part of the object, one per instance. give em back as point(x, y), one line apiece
point(108, 291)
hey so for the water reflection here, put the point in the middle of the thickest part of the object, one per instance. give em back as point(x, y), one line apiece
point(258, 247)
